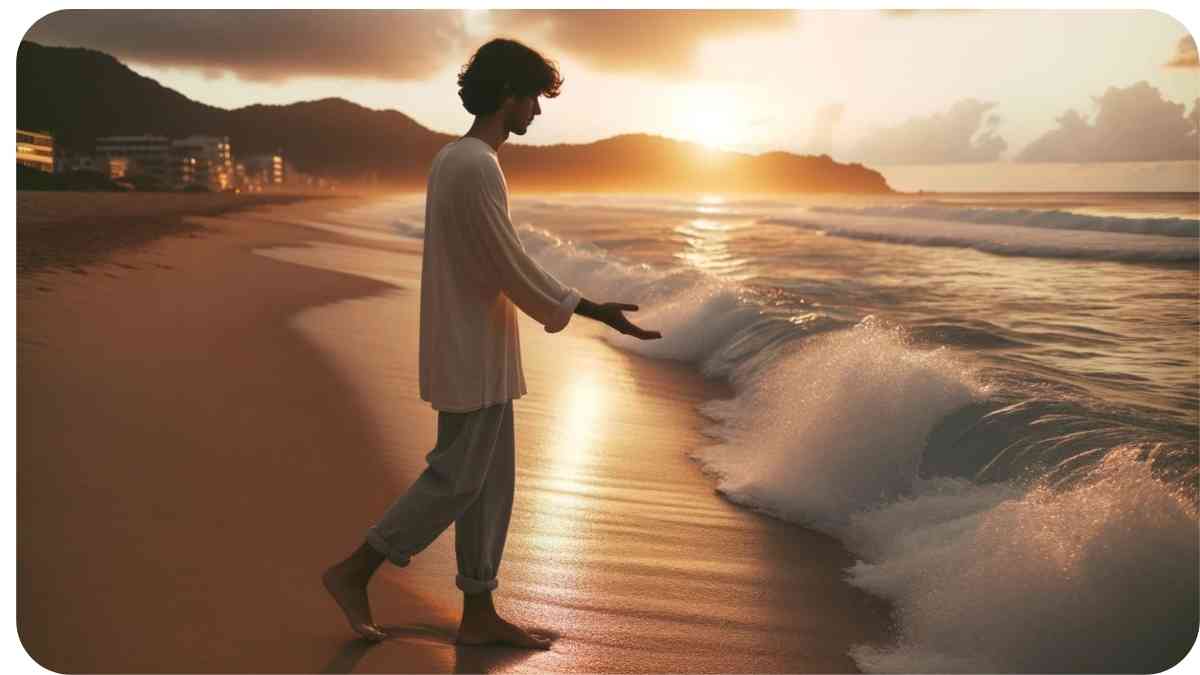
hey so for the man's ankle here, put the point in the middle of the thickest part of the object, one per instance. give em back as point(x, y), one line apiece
point(363, 562)
point(478, 603)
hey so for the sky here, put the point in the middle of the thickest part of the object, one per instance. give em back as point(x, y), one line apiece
point(1001, 99)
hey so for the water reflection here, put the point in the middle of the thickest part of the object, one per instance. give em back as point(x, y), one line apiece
point(565, 496)
point(583, 405)
point(706, 246)
point(711, 204)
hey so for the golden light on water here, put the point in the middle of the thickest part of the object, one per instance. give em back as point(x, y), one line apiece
point(707, 246)
point(564, 495)
point(585, 402)
point(579, 421)
point(711, 204)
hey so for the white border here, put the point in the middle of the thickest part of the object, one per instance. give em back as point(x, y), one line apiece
point(20, 16)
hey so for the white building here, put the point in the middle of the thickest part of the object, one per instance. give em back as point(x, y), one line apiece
point(35, 150)
point(214, 161)
point(144, 155)
point(113, 167)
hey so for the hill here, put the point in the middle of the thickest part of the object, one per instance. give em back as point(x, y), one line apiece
point(80, 94)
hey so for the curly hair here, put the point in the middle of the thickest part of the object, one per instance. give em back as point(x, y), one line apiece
point(504, 68)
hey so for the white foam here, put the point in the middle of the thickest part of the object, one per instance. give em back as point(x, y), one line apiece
point(1003, 239)
point(828, 429)
point(829, 432)
point(1051, 219)
point(694, 323)
point(1100, 577)
point(835, 426)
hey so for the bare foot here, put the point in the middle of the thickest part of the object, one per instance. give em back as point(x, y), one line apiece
point(350, 592)
point(492, 630)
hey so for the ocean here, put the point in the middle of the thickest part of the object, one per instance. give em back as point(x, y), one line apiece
point(993, 400)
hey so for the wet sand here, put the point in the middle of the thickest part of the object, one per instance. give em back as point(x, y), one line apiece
point(207, 422)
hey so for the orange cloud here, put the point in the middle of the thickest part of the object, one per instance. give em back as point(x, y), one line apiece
point(266, 45)
point(655, 42)
point(1185, 54)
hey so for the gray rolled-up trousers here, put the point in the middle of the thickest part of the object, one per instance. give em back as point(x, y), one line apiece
point(469, 481)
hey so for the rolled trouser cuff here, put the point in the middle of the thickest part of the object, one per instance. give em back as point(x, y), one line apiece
point(471, 586)
point(380, 544)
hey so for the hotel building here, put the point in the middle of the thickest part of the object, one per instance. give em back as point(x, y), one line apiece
point(144, 155)
point(264, 171)
point(35, 150)
point(213, 167)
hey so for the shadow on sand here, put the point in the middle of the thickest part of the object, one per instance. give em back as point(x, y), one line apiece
point(467, 658)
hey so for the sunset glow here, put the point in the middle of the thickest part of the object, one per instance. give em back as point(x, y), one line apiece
point(772, 340)
point(709, 118)
point(583, 408)
point(894, 90)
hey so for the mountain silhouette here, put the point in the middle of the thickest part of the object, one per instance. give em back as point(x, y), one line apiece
point(80, 94)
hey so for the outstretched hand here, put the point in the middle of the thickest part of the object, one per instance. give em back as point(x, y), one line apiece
point(611, 314)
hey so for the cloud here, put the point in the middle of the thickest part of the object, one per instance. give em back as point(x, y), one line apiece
point(1185, 54)
point(267, 45)
point(1132, 124)
point(960, 134)
point(909, 13)
point(820, 142)
point(275, 45)
point(656, 42)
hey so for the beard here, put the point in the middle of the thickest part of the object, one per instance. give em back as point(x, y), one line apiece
point(519, 126)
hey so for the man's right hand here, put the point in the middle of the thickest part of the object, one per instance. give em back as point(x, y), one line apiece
point(611, 313)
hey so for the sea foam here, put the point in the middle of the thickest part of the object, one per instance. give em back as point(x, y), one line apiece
point(1036, 218)
point(998, 238)
point(1100, 577)
point(836, 425)
point(830, 427)
point(1088, 566)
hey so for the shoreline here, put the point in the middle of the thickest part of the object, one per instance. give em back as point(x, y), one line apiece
point(283, 455)
point(578, 486)
point(181, 488)
point(65, 229)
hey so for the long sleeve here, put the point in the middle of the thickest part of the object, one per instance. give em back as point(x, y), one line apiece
point(492, 241)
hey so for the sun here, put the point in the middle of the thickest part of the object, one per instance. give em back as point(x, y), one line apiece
point(709, 115)
point(712, 128)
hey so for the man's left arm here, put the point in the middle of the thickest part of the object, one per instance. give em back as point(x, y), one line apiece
point(503, 261)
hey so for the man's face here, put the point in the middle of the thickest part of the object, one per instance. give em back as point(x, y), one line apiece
point(520, 111)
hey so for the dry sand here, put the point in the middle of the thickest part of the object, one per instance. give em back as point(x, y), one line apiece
point(69, 229)
point(204, 425)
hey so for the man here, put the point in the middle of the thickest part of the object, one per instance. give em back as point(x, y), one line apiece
point(474, 270)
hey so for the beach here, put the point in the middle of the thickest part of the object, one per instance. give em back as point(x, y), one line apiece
point(67, 229)
point(208, 419)
point(923, 394)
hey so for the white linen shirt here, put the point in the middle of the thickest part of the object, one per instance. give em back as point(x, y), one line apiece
point(474, 269)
